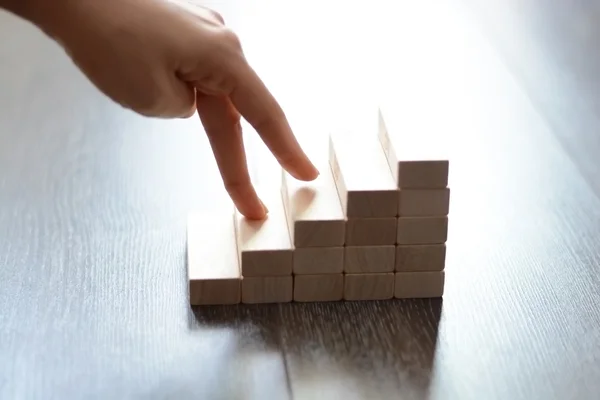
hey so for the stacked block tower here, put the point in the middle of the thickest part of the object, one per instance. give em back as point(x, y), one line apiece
point(372, 226)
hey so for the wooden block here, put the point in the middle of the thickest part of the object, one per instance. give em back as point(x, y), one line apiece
point(213, 265)
point(414, 285)
point(363, 179)
point(323, 287)
point(373, 259)
point(423, 202)
point(371, 231)
point(422, 230)
point(420, 257)
point(265, 246)
point(369, 286)
point(412, 162)
point(318, 260)
point(268, 289)
point(313, 210)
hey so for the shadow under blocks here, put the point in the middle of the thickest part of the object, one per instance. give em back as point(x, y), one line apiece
point(372, 349)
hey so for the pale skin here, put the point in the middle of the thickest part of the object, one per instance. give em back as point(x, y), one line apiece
point(169, 59)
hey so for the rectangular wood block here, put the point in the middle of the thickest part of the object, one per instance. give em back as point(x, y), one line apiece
point(363, 179)
point(414, 285)
point(268, 289)
point(318, 260)
point(313, 210)
point(323, 287)
point(265, 246)
point(411, 164)
point(373, 259)
point(213, 265)
point(422, 230)
point(420, 257)
point(423, 202)
point(369, 286)
point(371, 231)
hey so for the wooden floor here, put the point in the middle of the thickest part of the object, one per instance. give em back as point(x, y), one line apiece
point(94, 199)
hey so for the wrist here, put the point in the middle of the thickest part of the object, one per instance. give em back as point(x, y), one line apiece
point(46, 15)
point(17, 7)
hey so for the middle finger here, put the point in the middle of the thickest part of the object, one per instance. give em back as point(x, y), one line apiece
point(222, 125)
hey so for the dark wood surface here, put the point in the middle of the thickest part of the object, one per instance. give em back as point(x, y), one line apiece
point(93, 202)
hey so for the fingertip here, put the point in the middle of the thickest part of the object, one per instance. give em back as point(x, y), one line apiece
point(311, 170)
point(314, 173)
point(307, 174)
point(253, 209)
point(255, 214)
point(265, 208)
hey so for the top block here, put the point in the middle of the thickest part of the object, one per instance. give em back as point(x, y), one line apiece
point(363, 179)
point(412, 159)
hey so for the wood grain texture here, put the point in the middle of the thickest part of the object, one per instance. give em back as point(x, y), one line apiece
point(353, 350)
point(318, 260)
point(422, 230)
point(420, 257)
point(369, 286)
point(423, 202)
point(242, 351)
point(94, 202)
point(267, 289)
point(416, 285)
point(318, 288)
point(362, 259)
point(371, 231)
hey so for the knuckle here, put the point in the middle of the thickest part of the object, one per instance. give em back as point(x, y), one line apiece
point(149, 106)
point(227, 84)
point(216, 84)
point(156, 106)
point(217, 16)
point(231, 38)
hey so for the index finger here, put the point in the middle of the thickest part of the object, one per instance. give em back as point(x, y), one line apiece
point(258, 106)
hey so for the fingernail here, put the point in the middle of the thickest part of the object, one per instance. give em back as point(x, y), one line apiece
point(316, 170)
point(264, 207)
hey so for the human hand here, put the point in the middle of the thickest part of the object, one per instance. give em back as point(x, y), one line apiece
point(170, 58)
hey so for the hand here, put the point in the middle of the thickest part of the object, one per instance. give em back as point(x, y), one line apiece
point(170, 58)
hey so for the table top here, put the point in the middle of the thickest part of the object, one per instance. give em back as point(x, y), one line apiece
point(94, 200)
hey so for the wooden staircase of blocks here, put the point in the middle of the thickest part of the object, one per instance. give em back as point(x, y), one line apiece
point(372, 226)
